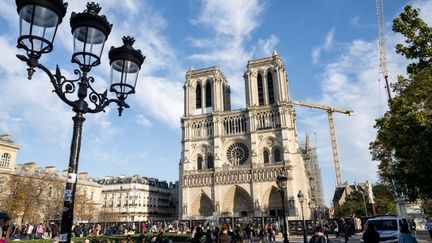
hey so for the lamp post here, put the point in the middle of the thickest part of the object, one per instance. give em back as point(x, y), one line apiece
point(281, 181)
point(38, 23)
point(300, 197)
point(313, 210)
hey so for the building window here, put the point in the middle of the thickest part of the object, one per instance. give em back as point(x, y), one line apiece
point(2, 183)
point(50, 191)
point(4, 160)
point(199, 162)
point(270, 88)
point(210, 162)
point(277, 155)
point(198, 96)
point(260, 90)
point(208, 94)
point(91, 195)
point(266, 157)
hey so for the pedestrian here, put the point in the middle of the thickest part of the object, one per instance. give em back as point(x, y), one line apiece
point(224, 236)
point(5, 230)
point(371, 235)
point(357, 225)
point(319, 236)
point(208, 236)
point(429, 227)
point(405, 235)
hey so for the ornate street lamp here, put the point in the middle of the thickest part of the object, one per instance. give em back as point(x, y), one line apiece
point(281, 181)
point(39, 20)
point(300, 197)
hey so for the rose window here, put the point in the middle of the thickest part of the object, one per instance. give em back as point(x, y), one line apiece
point(237, 153)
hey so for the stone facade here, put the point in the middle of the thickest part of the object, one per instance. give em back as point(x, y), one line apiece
point(230, 158)
point(137, 198)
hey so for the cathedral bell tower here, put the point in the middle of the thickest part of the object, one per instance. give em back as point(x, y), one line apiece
point(206, 91)
point(266, 82)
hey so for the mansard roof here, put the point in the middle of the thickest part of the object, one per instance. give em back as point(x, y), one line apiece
point(133, 179)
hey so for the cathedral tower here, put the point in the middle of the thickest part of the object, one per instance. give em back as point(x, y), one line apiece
point(230, 158)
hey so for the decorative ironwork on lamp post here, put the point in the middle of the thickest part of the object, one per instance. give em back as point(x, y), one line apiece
point(300, 197)
point(39, 20)
point(281, 181)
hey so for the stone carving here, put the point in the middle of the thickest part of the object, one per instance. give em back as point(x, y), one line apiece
point(238, 154)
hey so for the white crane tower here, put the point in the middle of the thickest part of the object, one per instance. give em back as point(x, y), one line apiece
point(381, 44)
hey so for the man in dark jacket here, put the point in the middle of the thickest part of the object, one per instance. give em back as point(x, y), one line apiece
point(319, 236)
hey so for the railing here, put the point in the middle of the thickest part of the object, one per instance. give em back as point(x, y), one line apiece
point(234, 122)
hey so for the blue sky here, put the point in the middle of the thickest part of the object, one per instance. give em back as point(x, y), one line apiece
point(328, 46)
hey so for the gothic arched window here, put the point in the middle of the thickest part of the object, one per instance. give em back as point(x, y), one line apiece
point(198, 96)
point(208, 95)
point(277, 155)
point(260, 90)
point(266, 157)
point(270, 88)
point(199, 162)
point(210, 162)
point(4, 160)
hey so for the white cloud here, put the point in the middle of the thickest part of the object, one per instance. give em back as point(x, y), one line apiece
point(142, 120)
point(329, 39)
point(326, 46)
point(266, 47)
point(230, 25)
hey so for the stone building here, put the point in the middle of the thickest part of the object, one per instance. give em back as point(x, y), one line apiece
point(137, 198)
point(43, 188)
point(230, 158)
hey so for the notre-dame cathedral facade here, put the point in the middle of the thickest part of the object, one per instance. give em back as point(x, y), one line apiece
point(231, 158)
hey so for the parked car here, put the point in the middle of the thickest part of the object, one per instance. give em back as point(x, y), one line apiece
point(388, 227)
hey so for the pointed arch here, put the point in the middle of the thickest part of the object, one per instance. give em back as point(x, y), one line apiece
point(237, 200)
point(210, 162)
point(198, 96)
point(277, 155)
point(270, 88)
point(272, 200)
point(199, 162)
point(202, 205)
point(208, 94)
point(266, 156)
point(260, 89)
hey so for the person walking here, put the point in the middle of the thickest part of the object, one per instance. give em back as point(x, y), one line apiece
point(371, 235)
point(429, 227)
point(405, 235)
point(224, 236)
point(319, 236)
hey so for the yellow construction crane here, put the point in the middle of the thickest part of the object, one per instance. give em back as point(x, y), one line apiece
point(330, 111)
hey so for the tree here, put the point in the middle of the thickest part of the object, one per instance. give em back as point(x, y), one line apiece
point(355, 202)
point(403, 144)
point(29, 197)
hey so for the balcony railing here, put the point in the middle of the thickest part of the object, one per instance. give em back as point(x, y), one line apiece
point(234, 122)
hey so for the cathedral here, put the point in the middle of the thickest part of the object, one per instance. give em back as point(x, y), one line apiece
point(230, 158)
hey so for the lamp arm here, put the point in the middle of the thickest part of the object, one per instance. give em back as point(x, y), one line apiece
point(101, 102)
point(61, 85)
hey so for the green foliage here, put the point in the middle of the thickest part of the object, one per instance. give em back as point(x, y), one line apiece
point(418, 39)
point(384, 199)
point(404, 140)
point(354, 204)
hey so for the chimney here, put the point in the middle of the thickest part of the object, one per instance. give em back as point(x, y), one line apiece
point(50, 169)
point(83, 176)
